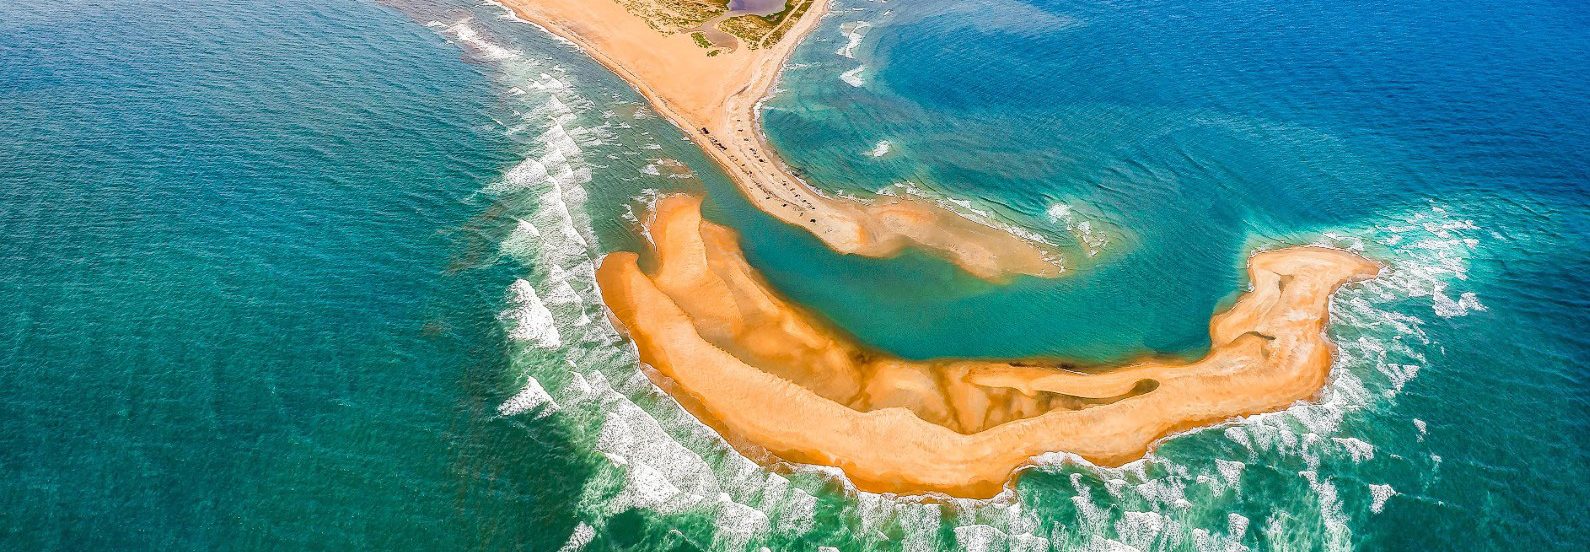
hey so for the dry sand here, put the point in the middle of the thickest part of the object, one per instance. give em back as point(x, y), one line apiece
point(772, 377)
point(714, 100)
point(768, 374)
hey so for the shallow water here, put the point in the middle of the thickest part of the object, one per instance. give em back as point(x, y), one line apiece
point(322, 277)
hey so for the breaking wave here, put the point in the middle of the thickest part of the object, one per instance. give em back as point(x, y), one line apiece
point(1093, 240)
point(880, 149)
point(654, 456)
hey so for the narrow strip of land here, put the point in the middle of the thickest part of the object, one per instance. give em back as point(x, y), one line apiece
point(715, 100)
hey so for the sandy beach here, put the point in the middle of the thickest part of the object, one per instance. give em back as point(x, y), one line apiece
point(774, 378)
point(766, 372)
point(714, 100)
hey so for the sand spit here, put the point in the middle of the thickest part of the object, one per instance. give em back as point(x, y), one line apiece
point(765, 372)
point(714, 100)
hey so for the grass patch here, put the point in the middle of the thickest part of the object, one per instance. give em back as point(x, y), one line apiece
point(701, 40)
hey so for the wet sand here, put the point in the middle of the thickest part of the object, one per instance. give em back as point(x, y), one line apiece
point(714, 100)
point(770, 375)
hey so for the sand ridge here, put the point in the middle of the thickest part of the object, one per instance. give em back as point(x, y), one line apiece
point(764, 371)
point(714, 100)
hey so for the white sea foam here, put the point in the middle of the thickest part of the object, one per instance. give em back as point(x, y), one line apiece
point(1092, 240)
point(853, 76)
point(1338, 534)
point(1236, 526)
point(532, 397)
point(1359, 449)
point(1446, 307)
point(1230, 471)
point(467, 35)
point(582, 536)
point(1379, 351)
point(529, 318)
point(880, 149)
point(854, 32)
point(979, 538)
point(1379, 494)
point(659, 457)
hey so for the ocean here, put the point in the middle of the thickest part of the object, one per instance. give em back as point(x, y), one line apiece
point(290, 274)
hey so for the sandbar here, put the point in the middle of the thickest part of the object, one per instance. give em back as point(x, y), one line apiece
point(714, 99)
point(772, 376)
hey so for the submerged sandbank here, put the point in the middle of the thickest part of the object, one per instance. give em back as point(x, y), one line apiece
point(765, 372)
point(714, 100)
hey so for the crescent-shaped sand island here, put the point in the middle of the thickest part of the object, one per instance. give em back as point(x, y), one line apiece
point(772, 377)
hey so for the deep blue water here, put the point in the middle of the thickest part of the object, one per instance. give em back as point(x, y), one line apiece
point(1187, 131)
point(1447, 139)
point(286, 274)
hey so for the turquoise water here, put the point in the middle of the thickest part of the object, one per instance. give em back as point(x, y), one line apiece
point(243, 301)
point(319, 277)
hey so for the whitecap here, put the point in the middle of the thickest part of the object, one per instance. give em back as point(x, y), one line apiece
point(853, 76)
point(854, 31)
point(467, 35)
point(582, 536)
point(532, 397)
point(531, 321)
point(1359, 449)
point(1379, 494)
point(1092, 240)
point(979, 538)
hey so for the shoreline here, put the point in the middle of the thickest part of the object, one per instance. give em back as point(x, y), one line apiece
point(764, 371)
point(772, 377)
point(716, 102)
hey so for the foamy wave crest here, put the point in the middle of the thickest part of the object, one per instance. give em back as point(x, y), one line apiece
point(662, 459)
point(1161, 503)
point(1081, 228)
point(544, 193)
point(529, 318)
point(651, 454)
point(853, 76)
point(577, 372)
point(1379, 494)
point(468, 36)
point(854, 32)
point(582, 536)
point(532, 397)
point(880, 149)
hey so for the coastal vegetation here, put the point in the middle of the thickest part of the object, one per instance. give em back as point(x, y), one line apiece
point(759, 31)
point(756, 31)
point(673, 16)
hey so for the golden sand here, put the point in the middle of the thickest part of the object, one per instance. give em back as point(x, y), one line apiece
point(714, 100)
point(772, 377)
point(765, 372)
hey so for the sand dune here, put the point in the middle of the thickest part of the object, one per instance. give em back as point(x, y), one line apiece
point(766, 373)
